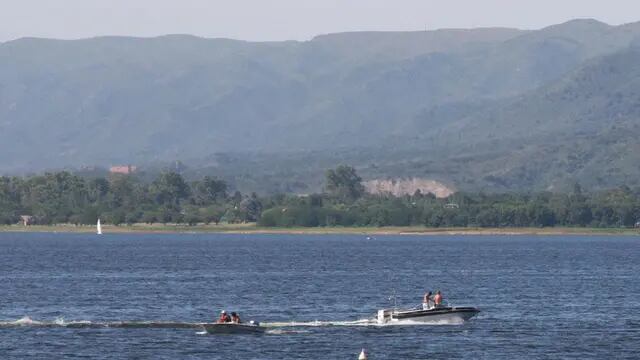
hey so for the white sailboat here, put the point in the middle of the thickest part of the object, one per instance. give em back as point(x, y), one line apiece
point(99, 228)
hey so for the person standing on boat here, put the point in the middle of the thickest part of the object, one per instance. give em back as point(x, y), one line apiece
point(437, 299)
point(235, 318)
point(426, 302)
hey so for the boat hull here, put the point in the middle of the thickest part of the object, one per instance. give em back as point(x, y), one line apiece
point(436, 315)
point(231, 328)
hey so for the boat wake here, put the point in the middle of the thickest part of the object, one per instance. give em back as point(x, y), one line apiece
point(272, 327)
point(362, 322)
point(290, 324)
point(61, 323)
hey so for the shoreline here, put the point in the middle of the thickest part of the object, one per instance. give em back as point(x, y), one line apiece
point(254, 229)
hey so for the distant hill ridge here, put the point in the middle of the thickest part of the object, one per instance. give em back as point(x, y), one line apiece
point(494, 109)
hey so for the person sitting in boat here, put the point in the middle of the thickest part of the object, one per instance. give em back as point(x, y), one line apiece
point(235, 318)
point(437, 299)
point(426, 301)
point(224, 317)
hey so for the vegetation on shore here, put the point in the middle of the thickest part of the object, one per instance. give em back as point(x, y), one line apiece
point(64, 198)
point(253, 228)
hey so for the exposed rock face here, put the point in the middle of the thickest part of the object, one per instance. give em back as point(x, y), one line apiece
point(400, 187)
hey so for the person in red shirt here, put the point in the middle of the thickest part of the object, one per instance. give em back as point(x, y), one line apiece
point(224, 317)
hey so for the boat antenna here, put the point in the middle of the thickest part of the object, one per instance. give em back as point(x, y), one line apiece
point(394, 298)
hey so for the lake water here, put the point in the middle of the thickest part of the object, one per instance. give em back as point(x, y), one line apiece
point(141, 296)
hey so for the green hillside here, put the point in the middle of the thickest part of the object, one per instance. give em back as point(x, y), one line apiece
point(489, 109)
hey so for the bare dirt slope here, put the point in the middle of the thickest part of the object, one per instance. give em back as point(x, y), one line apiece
point(399, 187)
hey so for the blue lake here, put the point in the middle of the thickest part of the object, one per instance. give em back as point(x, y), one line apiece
point(140, 296)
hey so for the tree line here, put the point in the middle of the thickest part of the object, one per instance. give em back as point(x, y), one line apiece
point(63, 197)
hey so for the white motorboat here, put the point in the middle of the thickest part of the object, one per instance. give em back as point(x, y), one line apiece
point(252, 327)
point(447, 314)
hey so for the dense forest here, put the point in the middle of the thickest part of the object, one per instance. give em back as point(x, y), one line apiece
point(489, 109)
point(63, 197)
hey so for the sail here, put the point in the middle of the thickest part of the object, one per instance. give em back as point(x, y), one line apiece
point(99, 228)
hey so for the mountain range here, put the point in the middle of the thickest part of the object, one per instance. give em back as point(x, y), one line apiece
point(490, 109)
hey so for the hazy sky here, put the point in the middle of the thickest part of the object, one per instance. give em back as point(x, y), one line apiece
point(289, 19)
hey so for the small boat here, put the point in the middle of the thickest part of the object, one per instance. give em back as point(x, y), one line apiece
point(98, 228)
point(252, 327)
point(435, 314)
